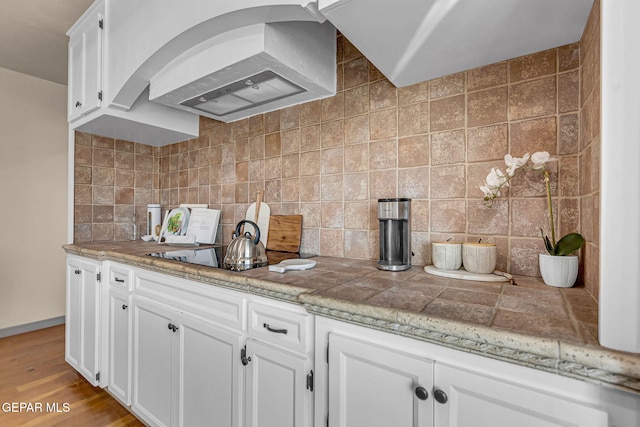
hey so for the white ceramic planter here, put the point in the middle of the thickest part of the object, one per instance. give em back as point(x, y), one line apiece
point(559, 271)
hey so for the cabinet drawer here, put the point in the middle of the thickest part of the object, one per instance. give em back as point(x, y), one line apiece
point(120, 277)
point(288, 327)
point(208, 302)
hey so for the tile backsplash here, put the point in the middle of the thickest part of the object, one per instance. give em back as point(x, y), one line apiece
point(330, 160)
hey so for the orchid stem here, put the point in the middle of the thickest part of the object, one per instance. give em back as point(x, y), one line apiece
point(549, 203)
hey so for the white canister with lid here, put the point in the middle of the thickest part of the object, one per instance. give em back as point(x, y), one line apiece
point(479, 257)
point(153, 218)
point(446, 255)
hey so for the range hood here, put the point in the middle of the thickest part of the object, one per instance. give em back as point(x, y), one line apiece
point(251, 70)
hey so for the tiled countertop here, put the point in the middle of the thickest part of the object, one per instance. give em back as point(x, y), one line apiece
point(529, 323)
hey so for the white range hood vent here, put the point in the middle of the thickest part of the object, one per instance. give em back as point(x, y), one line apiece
point(251, 70)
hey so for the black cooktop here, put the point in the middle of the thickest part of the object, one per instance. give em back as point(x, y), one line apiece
point(209, 257)
point(214, 256)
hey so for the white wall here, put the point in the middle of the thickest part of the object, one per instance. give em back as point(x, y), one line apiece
point(33, 198)
point(619, 308)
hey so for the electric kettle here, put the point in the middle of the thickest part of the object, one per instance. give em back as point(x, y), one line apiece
point(245, 251)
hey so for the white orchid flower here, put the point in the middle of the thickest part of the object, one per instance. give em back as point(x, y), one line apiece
point(539, 158)
point(514, 163)
point(496, 178)
point(488, 192)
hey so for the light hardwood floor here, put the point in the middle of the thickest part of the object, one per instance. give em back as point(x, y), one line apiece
point(33, 371)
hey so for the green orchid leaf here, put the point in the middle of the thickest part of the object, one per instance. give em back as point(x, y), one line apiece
point(569, 244)
point(547, 244)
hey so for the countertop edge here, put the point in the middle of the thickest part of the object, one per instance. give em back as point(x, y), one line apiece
point(222, 278)
point(588, 363)
point(576, 361)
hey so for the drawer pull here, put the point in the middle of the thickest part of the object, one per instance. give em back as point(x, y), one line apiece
point(124, 306)
point(119, 280)
point(77, 271)
point(275, 331)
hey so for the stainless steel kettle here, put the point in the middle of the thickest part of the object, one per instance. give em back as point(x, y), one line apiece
point(245, 251)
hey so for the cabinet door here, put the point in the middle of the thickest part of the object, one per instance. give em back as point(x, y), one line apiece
point(377, 386)
point(478, 400)
point(82, 323)
point(210, 375)
point(276, 392)
point(85, 67)
point(120, 346)
point(152, 361)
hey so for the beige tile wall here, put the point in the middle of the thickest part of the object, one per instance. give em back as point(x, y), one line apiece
point(589, 150)
point(114, 182)
point(330, 160)
point(434, 142)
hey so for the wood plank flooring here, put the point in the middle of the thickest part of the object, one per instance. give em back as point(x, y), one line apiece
point(33, 371)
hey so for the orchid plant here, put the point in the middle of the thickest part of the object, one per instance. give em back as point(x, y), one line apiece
point(496, 180)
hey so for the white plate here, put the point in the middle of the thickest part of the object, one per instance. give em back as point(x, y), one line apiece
point(293, 264)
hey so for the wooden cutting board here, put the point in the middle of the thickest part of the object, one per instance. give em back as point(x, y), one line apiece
point(285, 233)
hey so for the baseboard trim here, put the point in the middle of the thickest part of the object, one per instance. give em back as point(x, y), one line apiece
point(33, 326)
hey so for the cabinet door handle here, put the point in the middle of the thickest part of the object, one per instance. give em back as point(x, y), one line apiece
point(275, 331)
point(243, 356)
point(440, 396)
point(124, 306)
point(119, 280)
point(422, 393)
point(78, 104)
point(77, 272)
point(172, 327)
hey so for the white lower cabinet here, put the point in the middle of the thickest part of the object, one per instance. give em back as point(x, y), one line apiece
point(184, 353)
point(279, 383)
point(279, 386)
point(372, 378)
point(377, 386)
point(186, 371)
point(209, 375)
point(120, 322)
point(479, 400)
point(153, 351)
point(82, 332)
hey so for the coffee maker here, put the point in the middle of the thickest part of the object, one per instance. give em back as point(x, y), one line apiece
point(395, 234)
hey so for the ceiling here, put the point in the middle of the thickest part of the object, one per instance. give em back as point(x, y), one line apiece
point(33, 36)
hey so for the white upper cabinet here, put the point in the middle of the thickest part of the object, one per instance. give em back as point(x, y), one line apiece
point(85, 63)
point(149, 47)
point(411, 41)
point(89, 108)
